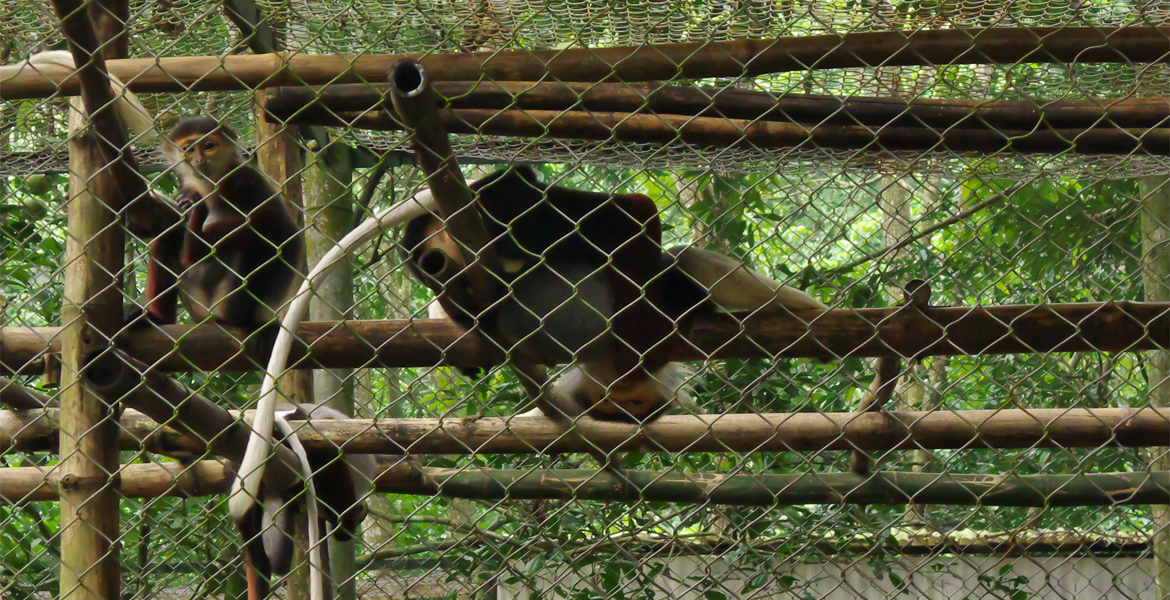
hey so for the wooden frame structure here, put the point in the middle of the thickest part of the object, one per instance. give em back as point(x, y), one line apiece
point(86, 425)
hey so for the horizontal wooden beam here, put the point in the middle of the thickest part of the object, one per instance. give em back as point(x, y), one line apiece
point(202, 478)
point(36, 430)
point(634, 63)
point(284, 103)
point(666, 129)
point(832, 334)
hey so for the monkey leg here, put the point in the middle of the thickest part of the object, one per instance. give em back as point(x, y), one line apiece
point(534, 379)
point(885, 381)
point(161, 296)
point(257, 568)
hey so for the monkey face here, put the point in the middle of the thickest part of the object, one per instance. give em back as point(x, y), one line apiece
point(205, 155)
point(202, 150)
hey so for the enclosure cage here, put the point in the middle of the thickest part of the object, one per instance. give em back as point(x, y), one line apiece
point(977, 192)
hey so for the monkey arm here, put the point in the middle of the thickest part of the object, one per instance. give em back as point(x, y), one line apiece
point(195, 247)
point(162, 276)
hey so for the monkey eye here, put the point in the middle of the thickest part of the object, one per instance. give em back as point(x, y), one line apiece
point(209, 146)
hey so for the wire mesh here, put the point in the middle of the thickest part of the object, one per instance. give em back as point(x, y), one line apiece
point(1022, 457)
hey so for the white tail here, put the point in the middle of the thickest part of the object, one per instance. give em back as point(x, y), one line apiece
point(133, 114)
point(246, 487)
point(733, 286)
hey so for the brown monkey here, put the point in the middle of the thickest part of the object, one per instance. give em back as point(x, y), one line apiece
point(240, 252)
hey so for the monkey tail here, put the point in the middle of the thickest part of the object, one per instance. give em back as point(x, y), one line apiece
point(246, 488)
point(133, 114)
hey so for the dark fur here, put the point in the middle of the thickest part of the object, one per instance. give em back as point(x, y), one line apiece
point(577, 263)
point(240, 237)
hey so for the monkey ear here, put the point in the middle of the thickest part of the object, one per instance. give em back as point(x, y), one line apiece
point(733, 286)
point(229, 133)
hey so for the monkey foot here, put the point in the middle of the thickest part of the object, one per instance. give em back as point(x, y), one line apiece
point(135, 316)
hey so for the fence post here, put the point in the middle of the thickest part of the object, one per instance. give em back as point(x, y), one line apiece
point(91, 313)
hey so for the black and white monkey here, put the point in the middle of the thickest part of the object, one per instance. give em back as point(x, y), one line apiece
point(267, 526)
point(589, 285)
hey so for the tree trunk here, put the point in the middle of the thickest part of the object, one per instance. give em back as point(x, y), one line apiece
point(1155, 192)
point(329, 203)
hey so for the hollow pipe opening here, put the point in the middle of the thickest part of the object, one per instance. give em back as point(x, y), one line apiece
point(409, 77)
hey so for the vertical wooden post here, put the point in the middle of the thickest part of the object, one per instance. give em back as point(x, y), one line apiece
point(279, 157)
point(90, 315)
point(329, 203)
point(1155, 199)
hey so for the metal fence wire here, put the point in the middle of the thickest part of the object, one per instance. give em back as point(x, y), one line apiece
point(701, 300)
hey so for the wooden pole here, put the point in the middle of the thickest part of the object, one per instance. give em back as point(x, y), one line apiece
point(285, 103)
point(721, 132)
point(278, 154)
point(32, 431)
point(14, 395)
point(103, 180)
point(865, 332)
point(23, 484)
point(742, 58)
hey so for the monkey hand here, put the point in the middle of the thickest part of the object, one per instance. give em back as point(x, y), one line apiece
point(187, 198)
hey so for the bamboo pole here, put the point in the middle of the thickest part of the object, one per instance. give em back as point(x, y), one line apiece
point(416, 104)
point(31, 431)
point(150, 480)
point(23, 484)
point(36, 431)
point(865, 332)
point(295, 103)
point(739, 58)
point(668, 129)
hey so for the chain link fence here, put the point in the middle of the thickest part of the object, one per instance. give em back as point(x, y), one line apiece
point(978, 192)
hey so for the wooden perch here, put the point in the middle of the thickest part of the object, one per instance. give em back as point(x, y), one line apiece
point(1072, 45)
point(36, 430)
point(735, 133)
point(201, 478)
point(866, 332)
point(23, 484)
point(298, 103)
point(115, 377)
point(16, 396)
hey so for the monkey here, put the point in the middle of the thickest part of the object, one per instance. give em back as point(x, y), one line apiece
point(342, 484)
point(589, 285)
point(240, 251)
